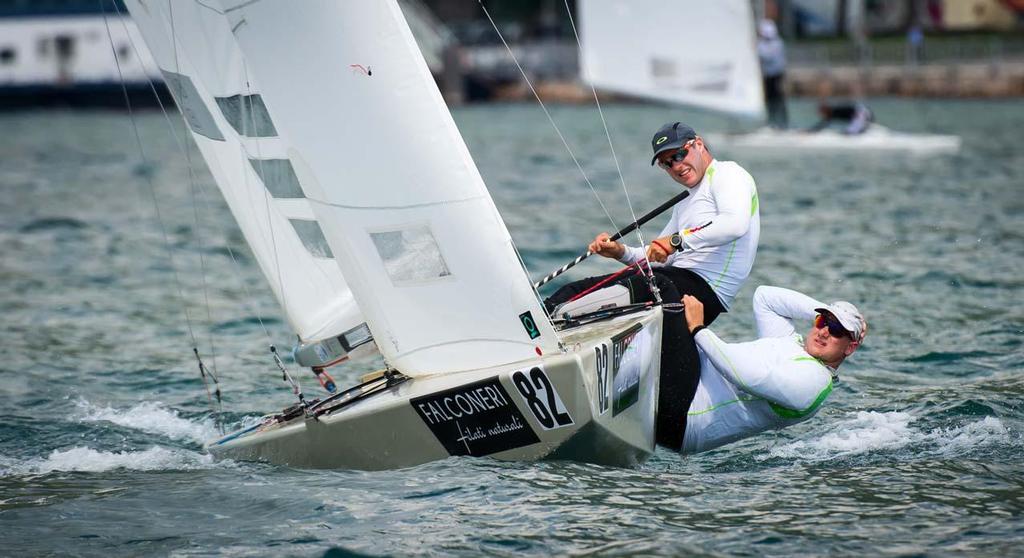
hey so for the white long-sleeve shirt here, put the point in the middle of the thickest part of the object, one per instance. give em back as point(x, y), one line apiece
point(772, 54)
point(723, 252)
point(769, 383)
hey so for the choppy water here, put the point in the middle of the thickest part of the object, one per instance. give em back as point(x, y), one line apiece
point(918, 451)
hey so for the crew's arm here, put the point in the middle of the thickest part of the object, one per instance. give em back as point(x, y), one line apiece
point(776, 308)
point(859, 122)
point(734, 199)
point(633, 254)
point(797, 384)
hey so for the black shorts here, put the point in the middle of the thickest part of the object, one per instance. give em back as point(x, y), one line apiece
point(680, 362)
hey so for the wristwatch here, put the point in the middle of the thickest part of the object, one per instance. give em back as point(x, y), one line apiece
point(676, 241)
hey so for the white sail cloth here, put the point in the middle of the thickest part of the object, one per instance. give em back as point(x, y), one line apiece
point(382, 171)
point(206, 72)
point(700, 54)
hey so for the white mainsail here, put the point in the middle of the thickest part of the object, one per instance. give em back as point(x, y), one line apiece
point(389, 192)
point(700, 54)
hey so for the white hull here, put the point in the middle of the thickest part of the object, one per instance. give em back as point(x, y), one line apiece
point(876, 138)
point(600, 409)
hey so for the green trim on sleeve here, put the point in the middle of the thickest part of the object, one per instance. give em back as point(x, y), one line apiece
point(801, 413)
point(725, 268)
point(723, 404)
point(725, 357)
point(753, 203)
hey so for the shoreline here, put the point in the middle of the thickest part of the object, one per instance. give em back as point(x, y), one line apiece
point(959, 80)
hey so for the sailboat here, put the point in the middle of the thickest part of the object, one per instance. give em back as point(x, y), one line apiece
point(709, 61)
point(329, 140)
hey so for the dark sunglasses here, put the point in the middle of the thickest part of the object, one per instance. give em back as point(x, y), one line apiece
point(674, 158)
point(835, 329)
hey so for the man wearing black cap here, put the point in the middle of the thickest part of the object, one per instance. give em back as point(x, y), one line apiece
point(706, 250)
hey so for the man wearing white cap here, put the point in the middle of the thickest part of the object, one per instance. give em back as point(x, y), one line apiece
point(775, 381)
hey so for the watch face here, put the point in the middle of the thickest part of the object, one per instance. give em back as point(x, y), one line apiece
point(676, 241)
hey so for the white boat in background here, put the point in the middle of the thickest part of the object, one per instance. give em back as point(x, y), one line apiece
point(875, 138)
point(62, 53)
point(708, 62)
point(331, 144)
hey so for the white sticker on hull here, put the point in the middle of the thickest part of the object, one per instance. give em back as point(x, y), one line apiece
point(542, 398)
point(630, 357)
point(601, 367)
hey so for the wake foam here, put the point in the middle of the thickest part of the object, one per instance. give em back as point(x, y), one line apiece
point(150, 417)
point(92, 461)
point(153, 418)
point(870, 431)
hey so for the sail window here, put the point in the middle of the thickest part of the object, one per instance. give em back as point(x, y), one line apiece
point(279, 177)
point(312, 237)
point(192, 106)
point(357, 336)
point(247, 115)
point(410, 255)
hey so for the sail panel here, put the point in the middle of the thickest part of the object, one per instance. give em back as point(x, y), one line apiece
point(205, 67)
point(387, 174)
point(279, 177)
point(700, 54)
point(199, 119)
point(247, 115)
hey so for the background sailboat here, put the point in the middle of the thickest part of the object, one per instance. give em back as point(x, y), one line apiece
point(703, 55)
point(324, 129)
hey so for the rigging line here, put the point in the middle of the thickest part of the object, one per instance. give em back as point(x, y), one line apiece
point(548, 114)
point(149, 181)
point(181, 147)
point(203, 370)
point(604, 123)
point(286, 376)
point(195, 214)
point(266, 195)
point(152, 191)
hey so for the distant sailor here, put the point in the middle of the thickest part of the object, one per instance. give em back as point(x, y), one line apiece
point(854, 116)
point(771, 52)
point(706, 250)
point(776, 381)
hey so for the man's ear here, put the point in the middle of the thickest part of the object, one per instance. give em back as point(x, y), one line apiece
point(851, 348)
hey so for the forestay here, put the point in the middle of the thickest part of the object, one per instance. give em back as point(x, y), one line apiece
point(384, 174)
point(701, 54)
point(205, 71)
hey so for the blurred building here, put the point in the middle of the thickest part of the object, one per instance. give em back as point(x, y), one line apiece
point(981, 14)
point(83, 52)
point(72, 52)
point(89, 53)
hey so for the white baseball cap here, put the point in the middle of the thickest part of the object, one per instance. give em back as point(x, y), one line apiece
point(848, 315)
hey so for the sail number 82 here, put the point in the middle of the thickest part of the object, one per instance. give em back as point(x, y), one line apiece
point(542, 398)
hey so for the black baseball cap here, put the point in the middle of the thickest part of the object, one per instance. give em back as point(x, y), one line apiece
point(671, 136)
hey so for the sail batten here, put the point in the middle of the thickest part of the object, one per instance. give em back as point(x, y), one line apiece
point(399, 206)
